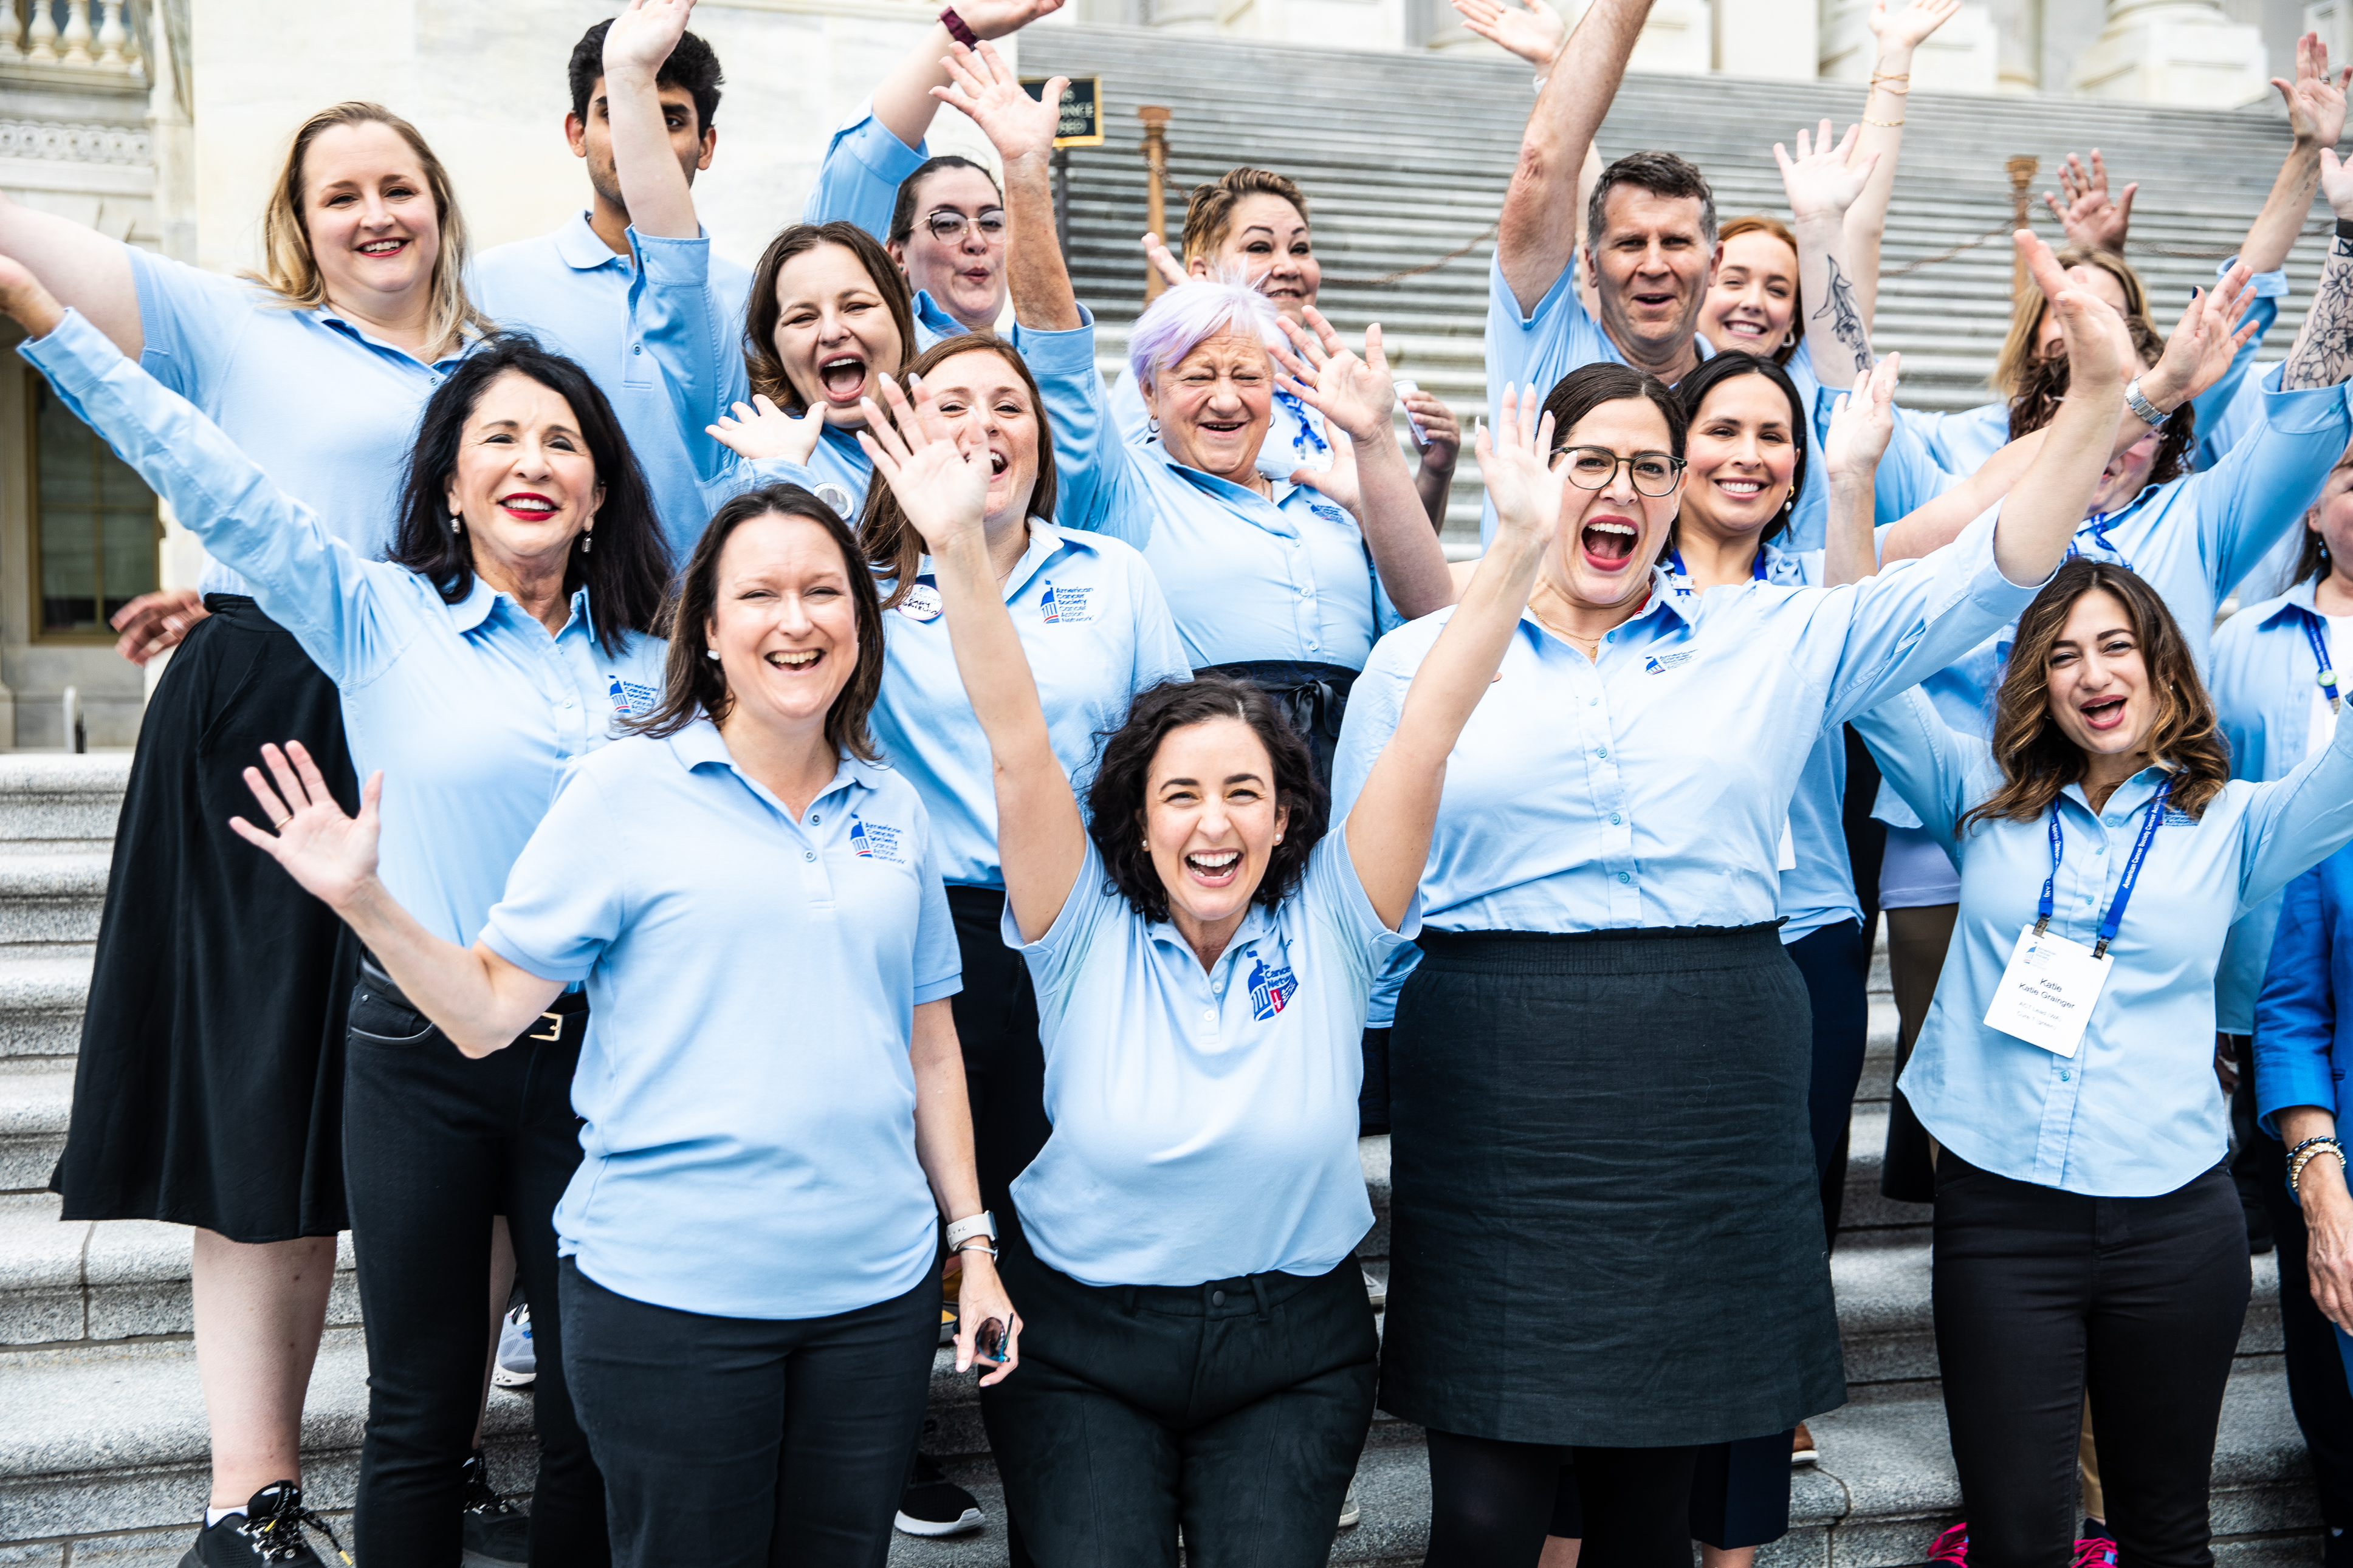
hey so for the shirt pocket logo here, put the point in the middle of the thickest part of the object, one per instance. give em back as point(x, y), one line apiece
point(876, 841)
point(1065, 606)
point(1660, 663)
point(1270, 987)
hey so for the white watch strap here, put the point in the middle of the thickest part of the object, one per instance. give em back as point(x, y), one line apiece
point(964, 1230)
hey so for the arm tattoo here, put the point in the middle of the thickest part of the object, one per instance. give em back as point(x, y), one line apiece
point(1846, 321)
point(2323, 355)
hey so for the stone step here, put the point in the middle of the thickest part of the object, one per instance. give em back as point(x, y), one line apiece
point(50, 901)
point(41, 1003)
point(59, 800)
point(35, 1099)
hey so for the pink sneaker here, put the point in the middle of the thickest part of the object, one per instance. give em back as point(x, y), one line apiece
point(1952, 1546)
point(2095, 1551)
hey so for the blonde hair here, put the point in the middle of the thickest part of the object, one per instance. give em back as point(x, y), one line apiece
point(1209, 211)
point(290, 267)
point(2026, 315)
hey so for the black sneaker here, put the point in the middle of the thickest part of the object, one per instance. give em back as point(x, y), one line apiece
point(931, 1504)
point(498, 1533)
point(270, 1530)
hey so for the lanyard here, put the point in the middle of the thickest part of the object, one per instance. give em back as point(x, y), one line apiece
point(2115, 915)
point(2098, 525)
point(1308, 439)
point(1682, 574)
point(2315, 632)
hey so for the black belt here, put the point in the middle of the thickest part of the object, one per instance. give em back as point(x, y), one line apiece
point(549, 1027)
point(1317, 695)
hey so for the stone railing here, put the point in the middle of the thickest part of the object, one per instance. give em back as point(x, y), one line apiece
point(58, 34)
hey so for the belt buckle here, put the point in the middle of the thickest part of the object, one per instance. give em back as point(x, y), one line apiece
point(554, 1022)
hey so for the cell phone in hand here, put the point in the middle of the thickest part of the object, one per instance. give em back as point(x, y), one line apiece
point(1420, 436)
point(989, 1342)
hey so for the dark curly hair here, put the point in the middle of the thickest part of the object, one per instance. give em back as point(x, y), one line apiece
point(694, 685)
point(1115, 803)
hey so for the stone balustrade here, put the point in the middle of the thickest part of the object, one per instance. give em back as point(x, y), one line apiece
point(57, 34)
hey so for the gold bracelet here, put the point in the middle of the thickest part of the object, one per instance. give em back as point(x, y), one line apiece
point(1889, 124)
point(1878, 75)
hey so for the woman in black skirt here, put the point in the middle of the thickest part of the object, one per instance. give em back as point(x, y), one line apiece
point(1607, 1233)
point(210, 1085)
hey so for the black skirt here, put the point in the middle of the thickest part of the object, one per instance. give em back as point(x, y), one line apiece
point(210, 1085)
point(1607, 1229)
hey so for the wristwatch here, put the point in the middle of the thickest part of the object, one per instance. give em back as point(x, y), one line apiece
point(2149, 413)
point(982, 1224)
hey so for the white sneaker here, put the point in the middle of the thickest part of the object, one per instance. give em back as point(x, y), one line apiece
point(1349, 1513)
point(518, 1361)
point(1377, 1292)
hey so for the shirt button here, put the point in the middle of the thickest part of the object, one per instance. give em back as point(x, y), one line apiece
point(2064, 1077)
point(1593, 702)
point(1600, 751)
point(1217, 1297)
point(1624, 878)
point(809, 854)
point(1613, 819)
point(814, 819)
point(1208, 1014)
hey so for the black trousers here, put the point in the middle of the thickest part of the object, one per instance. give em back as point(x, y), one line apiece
point(1003, 1063)
point(1836, 963)
point(1234, 1408)
point(437, 1145)
point(1493, 1502)
point(750, 1442)
point(2316, 1371)
point(2042, 1295)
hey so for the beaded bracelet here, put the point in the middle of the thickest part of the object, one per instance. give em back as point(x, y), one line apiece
point(1890, 124)
point(2303, 1153)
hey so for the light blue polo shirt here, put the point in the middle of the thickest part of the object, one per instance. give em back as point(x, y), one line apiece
point(1205, 1122)
point(750, 1145)
point(328, 410)
point(472, 709)
point(2134, 1112)
point(2263, 683)
point(1247, 578)
point(1097, 632)
point(572, 292)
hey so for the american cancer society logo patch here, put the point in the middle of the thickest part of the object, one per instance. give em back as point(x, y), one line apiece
point(1270, 987)
point(1064, 606)
point(875, 841)
point(629, 698)
point(1660, 663)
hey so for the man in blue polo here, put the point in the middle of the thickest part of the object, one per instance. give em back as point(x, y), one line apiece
point(571, 289)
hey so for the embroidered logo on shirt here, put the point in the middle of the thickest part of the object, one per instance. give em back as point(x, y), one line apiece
point(629, 698)
point(922, 602)
point(1327, 511)
point(2173, 818)
point(1660, 663)
point(1064, 606)
point(875, 841)
point(1271, 989)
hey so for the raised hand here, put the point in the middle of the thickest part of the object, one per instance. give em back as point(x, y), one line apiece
point(24, 302)
point(2315, 99)
point(644, 34)
point(1157, 256)
point(1441, 433)
point(1529, 28)
point(331, 855)
point(1819, 181)
point(985, 89)
point(1908, 28)
point(2336, 183)
point(1862, 421)
point(761, 429)
point(2202, 343)
point(1353, 391)
point(940, 485)
point(1337, 481)
point(2089, 217)
point(996, 18)
point(1515, 464)
point(155, 621)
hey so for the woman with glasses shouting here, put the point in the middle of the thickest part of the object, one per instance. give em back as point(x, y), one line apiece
point(1606, 1238)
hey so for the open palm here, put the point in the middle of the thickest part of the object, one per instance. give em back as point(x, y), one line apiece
point(1516, 462)
point(1353, 391)
point(1529, 28)
point(330, 853)
point(982, 87)
point(943, 491)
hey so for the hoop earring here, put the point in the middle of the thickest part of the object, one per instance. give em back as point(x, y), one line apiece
point(1151, 423)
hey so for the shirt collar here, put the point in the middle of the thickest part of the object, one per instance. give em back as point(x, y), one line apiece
point(578, 244)
point(1664, 601)
point(327, 317)
point(2130, 796)
point(2285, 607)
point(929, 315)
point(1258, 925)
point(700, 744)
point(481, 599)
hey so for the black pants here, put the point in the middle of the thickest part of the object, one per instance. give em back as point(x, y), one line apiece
point(1493, 1502)
point(436, 1145)
point(2041, 1295)
point(2316, 1373)
point(1836, 963)
point(2247, 1162)
point(1234, 1408)
point(750, 1442)
point(1004, 1064)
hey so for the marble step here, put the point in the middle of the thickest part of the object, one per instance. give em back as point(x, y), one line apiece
point(50, 901)
point(59, 800)
point(41, 1001)
point(35, 1100)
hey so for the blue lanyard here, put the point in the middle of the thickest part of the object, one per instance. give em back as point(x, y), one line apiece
point(2316, 631)
point(1682, 574)
point(2098, 524)
point(1308, 439)
point(2115, 915)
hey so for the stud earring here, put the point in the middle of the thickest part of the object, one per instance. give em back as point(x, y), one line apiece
point(710, 653)
point(457, 523)
point(586, 538)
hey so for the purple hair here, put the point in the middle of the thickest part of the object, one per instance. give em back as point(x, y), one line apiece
point(1189, 315)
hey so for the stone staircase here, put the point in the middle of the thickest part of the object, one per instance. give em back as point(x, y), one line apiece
point(1404, 159)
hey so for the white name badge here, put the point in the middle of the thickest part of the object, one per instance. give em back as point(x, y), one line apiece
point(2046, 995)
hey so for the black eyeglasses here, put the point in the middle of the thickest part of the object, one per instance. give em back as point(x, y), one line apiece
point(1591, 468)
point(948, 228)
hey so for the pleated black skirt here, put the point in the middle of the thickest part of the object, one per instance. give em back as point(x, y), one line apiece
point(1607, 1229)
point(210, 1085)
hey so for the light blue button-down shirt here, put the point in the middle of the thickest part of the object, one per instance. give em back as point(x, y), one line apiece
point(1247, 578)
point(752, 978)
point(1647, 788)
point(1097, 632)
point(328, 410)
point(472, 709)
point(573, 293)
point(1205, 1120)
point(2263, 684)
point(857, 182)
point(2136, 1111)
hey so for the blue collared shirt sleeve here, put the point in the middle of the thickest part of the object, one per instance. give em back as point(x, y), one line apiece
point(1916, 618)
point(1924, 760)
point(2295, 1013)
point(2265, 290)
point(1057, 955)
point(2299, 821)
point(188, 318)
point(2262, 486)
point(685, 321)
point(566, 898)
point(302, 576)
point(1092, 468)
point(1335, 894)
point(1159, 651)
point(859, 180)
point(939, 961)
